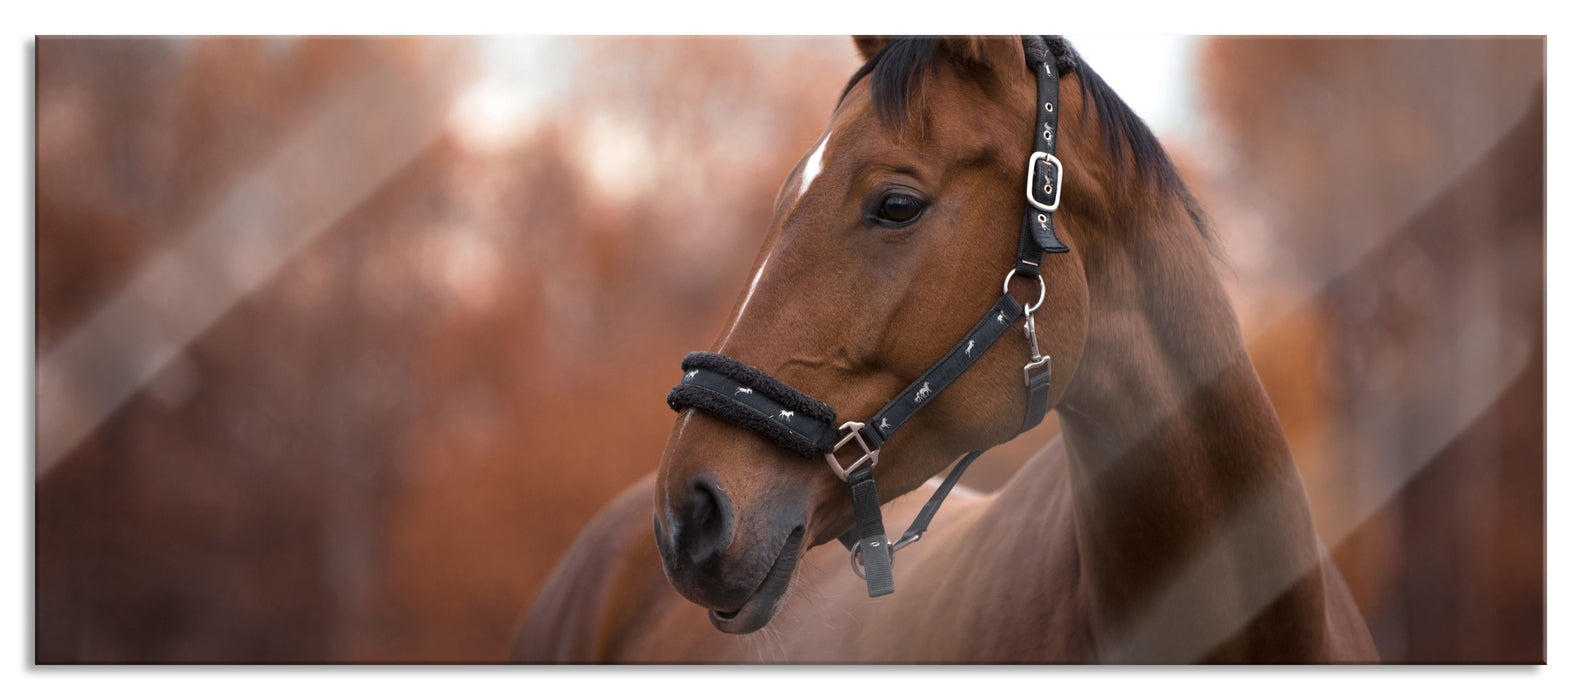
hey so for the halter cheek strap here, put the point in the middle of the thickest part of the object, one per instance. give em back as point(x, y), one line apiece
point(1045, 174)
point(752, 399)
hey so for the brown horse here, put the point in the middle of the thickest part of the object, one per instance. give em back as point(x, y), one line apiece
point(1168, 524)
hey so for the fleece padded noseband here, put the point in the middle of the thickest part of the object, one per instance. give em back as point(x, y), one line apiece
point(749, 397)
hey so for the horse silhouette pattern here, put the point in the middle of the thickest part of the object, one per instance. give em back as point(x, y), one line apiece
point(922, 393)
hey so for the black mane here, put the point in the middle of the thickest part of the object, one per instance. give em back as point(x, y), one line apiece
point(899, 66)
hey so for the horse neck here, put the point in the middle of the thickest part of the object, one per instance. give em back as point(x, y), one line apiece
point(1174, 447)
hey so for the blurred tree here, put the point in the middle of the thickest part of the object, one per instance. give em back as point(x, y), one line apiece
point(224, 513)
point(1388, 194)
point(380, 452)
point(381, 449)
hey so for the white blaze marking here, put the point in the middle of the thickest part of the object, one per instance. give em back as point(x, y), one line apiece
point(751, 287)
point(815, 165)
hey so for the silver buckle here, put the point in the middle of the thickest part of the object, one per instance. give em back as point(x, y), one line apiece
point(869, 456)
point(1027, 371)
point(1051, 188)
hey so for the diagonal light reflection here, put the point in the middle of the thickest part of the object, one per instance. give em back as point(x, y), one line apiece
point(260, 224)
point(1176, 608)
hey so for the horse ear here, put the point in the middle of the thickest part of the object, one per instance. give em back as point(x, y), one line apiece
point(985, 50)
point(867, 46)
point(968, 49)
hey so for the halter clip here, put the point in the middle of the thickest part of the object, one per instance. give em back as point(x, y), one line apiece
point(1039, 359)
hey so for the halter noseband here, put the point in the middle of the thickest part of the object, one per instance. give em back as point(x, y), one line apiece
point(752, 399)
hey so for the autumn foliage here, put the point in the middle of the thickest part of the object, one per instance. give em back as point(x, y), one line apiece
point(386, 439)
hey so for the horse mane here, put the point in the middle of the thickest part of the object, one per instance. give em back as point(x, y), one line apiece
point(899, 66)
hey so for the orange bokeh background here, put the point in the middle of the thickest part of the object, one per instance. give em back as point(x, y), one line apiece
point(432, 352)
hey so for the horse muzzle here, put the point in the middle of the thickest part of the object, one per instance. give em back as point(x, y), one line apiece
point(739, 574)
point(766, 599)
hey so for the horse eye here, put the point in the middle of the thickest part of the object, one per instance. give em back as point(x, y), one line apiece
point(898, 209)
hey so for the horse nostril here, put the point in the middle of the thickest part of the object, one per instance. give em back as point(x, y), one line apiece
point(708, 524)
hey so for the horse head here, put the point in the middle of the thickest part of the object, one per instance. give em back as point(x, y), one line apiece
point(887, 243)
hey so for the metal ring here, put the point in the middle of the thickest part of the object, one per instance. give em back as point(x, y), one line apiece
point(856, 549)
point(1048, 107)
point(855, 555)
point(1006, 289)
point(1047, 135)
point(1049, 189)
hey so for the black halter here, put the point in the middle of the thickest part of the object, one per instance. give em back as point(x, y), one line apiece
point(754, 400)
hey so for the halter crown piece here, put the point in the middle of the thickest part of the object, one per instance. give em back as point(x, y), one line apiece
point(756, 401)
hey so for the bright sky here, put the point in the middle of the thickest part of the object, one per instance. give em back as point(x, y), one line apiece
point(523, 75)
point(1152, 73)
point(519, 77)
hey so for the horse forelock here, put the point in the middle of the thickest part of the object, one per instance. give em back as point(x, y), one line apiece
point(898, 74)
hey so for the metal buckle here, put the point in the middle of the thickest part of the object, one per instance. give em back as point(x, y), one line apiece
point(1051, 188)
point(870, 456)
point(1027, 372)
